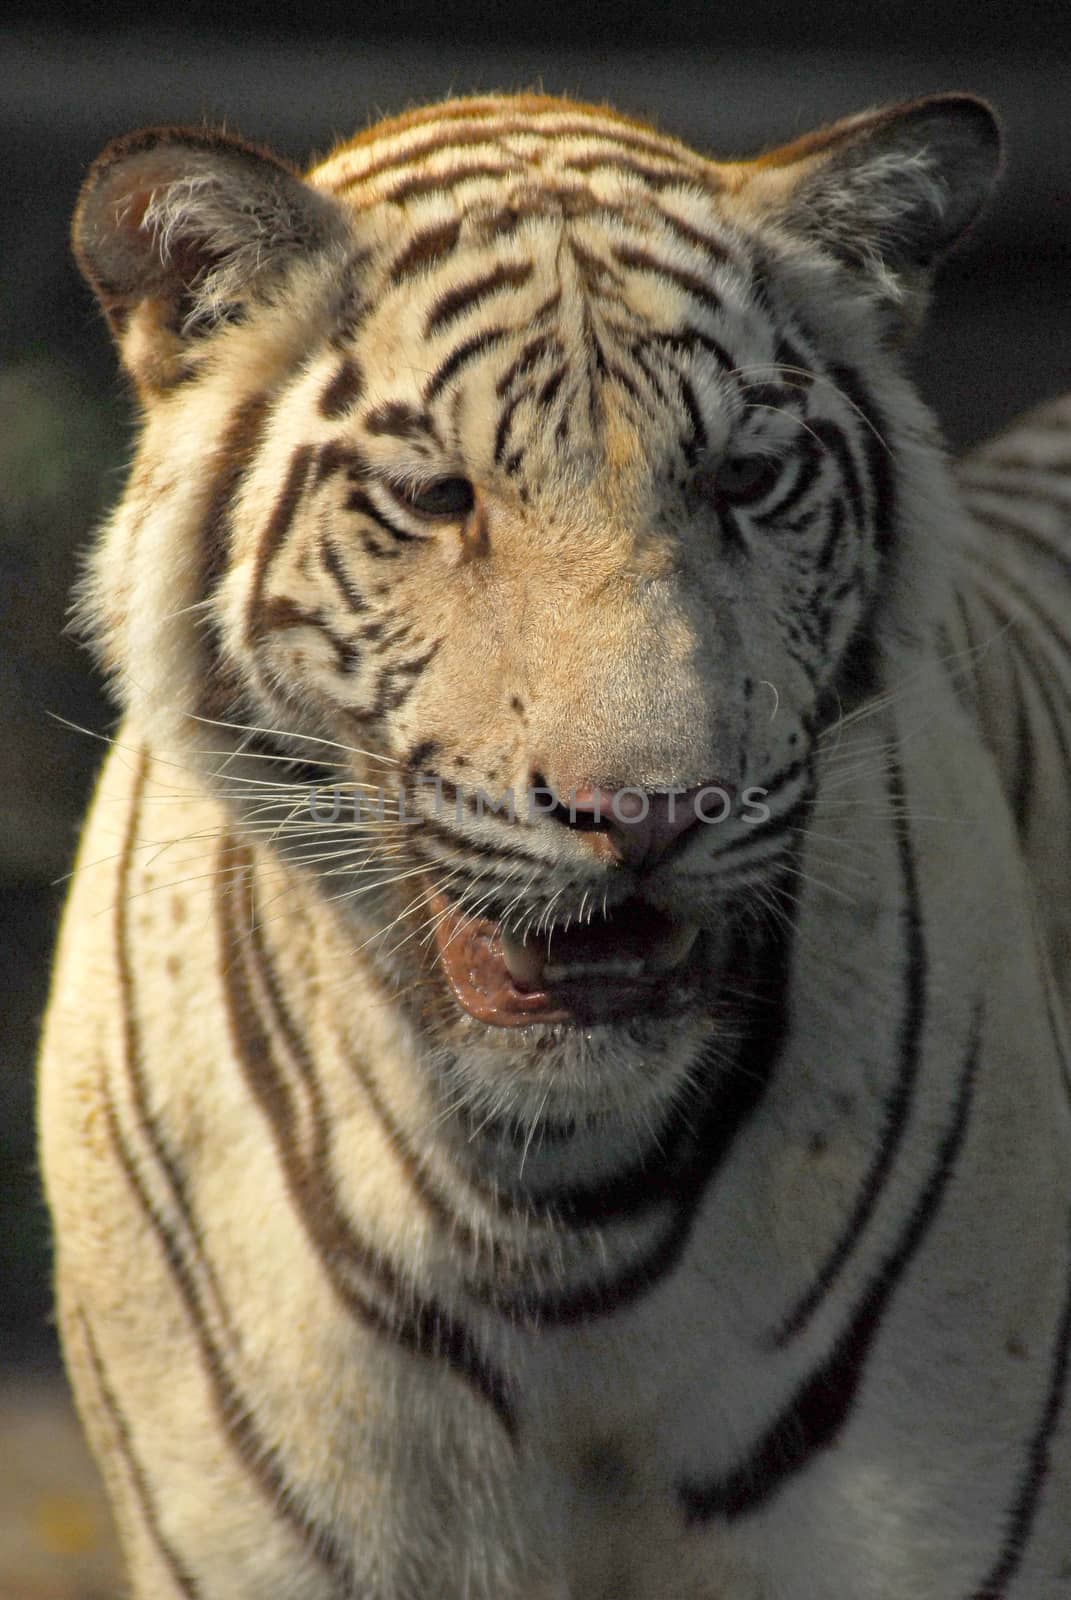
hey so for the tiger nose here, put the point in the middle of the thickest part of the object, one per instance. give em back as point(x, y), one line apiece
point(638, 826)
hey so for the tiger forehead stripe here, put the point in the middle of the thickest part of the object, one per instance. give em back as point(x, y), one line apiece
point(477, 345)
point(432, 244)
point(424, 183)
point(642, 261)
point(536, 109)
point(400, 421)
point(467, 296)
point(344, 389)
point(561, 124)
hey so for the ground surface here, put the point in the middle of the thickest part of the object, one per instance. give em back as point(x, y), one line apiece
point(56, 1540)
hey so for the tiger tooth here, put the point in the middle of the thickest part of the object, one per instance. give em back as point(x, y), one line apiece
point(525, 959)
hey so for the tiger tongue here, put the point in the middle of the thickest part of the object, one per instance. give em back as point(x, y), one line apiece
point(600, 972)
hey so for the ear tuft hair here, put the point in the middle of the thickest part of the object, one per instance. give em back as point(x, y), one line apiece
point(189, 222)
point(888, 192)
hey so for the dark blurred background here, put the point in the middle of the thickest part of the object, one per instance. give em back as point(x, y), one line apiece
point(729, 77)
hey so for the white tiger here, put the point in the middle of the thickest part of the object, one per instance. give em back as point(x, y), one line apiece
point(553, 1089)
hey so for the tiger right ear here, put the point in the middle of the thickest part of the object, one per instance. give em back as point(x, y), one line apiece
point(888, 193)
point(175, 227)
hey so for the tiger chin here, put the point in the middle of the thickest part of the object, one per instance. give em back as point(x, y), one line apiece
point(556, 1078)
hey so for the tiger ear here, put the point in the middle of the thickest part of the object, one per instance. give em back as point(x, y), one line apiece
point(176, 227)
point(888, 192)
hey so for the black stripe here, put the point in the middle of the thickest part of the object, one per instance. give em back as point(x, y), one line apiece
point(395, 684)
point(611, 161)
point(879, 458)
point(477, 849)
point(543, 344)
point(716, 249)
point(230, 464)
point(283, 513)
point(697, 440)
point(909, 1051)
point(417, 757)
point(605, 367)
point(649, 1182)
point(280, 613)
point(188, 1260)
point(431, 244)
point(1057, 1028)
point(132, 1055)
point(431, 182)
point(357, 500)
point(485, 133)
point(505, 422)
point(344, 583)
point(399, 420)
point(832, 436)
point(338, 457)
point(787, 355)
point(380, 552)
point(834, 535)
point(492, 127)
point(690, 282)
point(460, 356)
point(481, 1250)
point(344, 390)
point(686, 341)
point(549, 392)
point(234, 1410)
point(419, 1326)
point(858, 676)
point(555, 200)
point(180, 1573)
point(1023, 772)
point(810, 467)
point(637, 350)
point(229, 467)
point(769, 395)
point(823, 1404)
point(1020, 1519)
point(466, 297)
point(732, 533)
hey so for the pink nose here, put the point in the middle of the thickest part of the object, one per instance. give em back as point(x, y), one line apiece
point(641, 825)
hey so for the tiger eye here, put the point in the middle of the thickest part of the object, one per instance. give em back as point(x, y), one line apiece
point(442, 497)
point(738, 480)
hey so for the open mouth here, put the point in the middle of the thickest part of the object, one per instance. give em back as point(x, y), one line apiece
point(637, 960)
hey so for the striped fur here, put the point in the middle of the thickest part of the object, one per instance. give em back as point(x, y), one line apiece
point(519, 446)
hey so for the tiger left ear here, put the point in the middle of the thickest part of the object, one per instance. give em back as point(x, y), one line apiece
point(177, 228)
point(888, 192)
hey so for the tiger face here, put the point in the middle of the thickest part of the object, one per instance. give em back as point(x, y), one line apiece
point(519, 500)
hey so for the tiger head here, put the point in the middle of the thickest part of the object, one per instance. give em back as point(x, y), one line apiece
point(517, 493)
